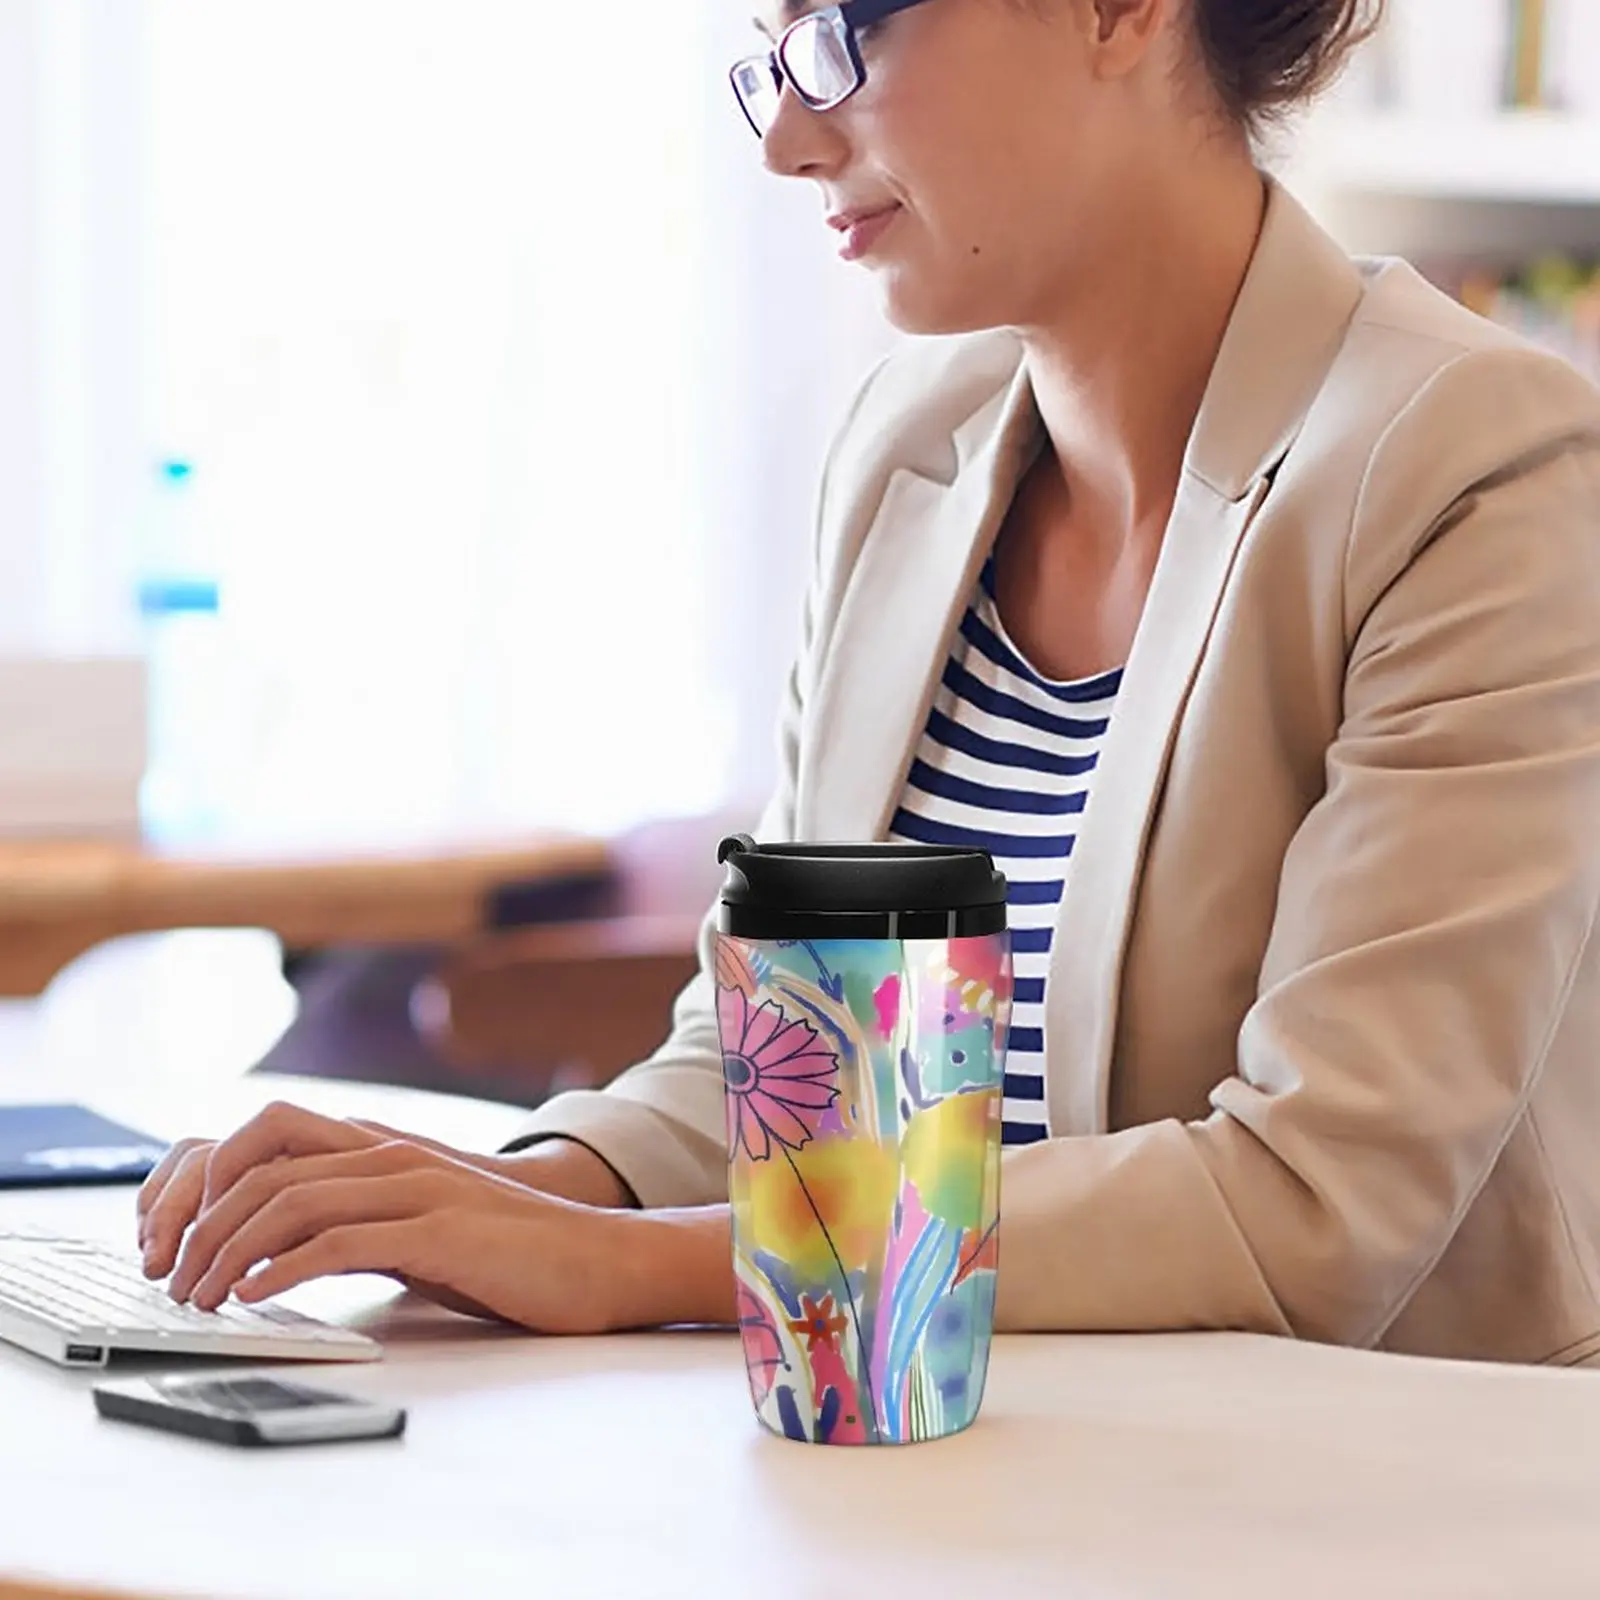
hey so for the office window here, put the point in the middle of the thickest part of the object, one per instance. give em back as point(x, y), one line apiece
point(425, 317)
point(503, 370)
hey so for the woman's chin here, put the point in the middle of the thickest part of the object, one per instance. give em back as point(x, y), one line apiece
point(919, 296)
point(913, 305)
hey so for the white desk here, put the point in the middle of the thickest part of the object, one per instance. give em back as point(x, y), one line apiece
point(1117, 1469)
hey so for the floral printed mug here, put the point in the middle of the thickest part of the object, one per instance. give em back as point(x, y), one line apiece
point(863, 994)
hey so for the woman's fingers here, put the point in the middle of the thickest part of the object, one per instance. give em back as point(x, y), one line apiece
point(169, 1201)
point(262, 1187)
point(476, 1242)
point(389, 1246)
point(151, 1190)
point(304, 1213)
point(195, 1173)
point(280, 1130)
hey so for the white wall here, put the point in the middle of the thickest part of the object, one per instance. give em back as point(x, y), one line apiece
point(71, 437)
point(21, 425)
point(116, 290)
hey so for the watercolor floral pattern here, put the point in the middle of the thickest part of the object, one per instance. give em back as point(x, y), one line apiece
point(863, 1096)
point(778, 1076)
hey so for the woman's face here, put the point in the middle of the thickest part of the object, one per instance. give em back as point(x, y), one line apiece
point(995, 151)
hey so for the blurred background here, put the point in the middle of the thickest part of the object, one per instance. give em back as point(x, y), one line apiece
point(321, 321)
point(435, 395)
point(1466, 137)
point(410, 418)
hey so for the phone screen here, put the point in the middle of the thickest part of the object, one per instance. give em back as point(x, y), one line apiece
point(245, 1396)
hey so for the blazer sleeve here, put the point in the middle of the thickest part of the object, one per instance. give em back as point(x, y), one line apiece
point(1434, 908)
point(661, 1125)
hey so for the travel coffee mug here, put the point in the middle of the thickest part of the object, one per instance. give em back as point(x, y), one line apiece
point(863, 995)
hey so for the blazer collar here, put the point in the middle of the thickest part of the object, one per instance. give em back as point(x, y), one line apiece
point(1287, 325)
point(898, 618)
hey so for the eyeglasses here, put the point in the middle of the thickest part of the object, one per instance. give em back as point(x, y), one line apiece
point(819, 57)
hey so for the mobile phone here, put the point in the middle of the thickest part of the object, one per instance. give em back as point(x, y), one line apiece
point(247, 1409)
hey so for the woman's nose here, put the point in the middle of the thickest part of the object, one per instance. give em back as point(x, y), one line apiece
point(802, 143)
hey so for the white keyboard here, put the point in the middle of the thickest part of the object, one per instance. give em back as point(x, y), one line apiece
point(77, 1303)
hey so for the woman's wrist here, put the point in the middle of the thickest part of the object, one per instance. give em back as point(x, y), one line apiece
point(570, 1171)
point(660, 1267)
point(670, 1267)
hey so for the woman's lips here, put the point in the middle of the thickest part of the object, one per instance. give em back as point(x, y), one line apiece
point(862, 232)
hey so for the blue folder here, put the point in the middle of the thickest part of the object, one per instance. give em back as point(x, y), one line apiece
point(47, 1145)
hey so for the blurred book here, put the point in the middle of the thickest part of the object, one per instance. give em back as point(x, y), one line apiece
point(1465, 58)
point(1525, 55)
point(48, 1145)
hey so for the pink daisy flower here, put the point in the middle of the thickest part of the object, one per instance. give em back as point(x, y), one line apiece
point(779, 1078)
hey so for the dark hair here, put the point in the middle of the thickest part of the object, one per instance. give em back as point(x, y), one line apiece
point(1269, 57)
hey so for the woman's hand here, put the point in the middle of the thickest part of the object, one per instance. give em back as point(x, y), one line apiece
point(312, 1195)
point(195, 1172)
point(476, 1240)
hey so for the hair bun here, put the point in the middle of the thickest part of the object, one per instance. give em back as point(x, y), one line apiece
point(1266, 57)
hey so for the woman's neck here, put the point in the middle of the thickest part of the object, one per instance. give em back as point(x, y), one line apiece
point(1119, 374)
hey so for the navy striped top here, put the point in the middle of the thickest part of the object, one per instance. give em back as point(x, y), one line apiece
point(1004, 765)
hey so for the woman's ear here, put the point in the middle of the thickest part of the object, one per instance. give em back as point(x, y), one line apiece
point(1121, 33)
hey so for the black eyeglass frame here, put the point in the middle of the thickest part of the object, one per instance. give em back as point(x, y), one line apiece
point(845, 18)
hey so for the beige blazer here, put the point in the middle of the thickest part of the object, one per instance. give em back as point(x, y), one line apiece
point(1323, 1010)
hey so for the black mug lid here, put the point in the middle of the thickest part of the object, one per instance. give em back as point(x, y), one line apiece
point(857, 877)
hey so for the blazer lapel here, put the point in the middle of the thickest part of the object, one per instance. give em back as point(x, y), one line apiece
point(1092, 929)
point(896, 623)
point(1287, 327)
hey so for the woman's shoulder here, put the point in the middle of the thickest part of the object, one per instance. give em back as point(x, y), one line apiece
point(1399, 306)
point(1426, 407)
point(1420, 370)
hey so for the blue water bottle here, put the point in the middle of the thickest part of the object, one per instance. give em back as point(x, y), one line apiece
point(179, 601)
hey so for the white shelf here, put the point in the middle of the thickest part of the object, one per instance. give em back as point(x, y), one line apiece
point(1534, 156)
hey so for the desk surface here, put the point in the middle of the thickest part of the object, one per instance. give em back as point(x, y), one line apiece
point(1188, 1467)
point(59, 899)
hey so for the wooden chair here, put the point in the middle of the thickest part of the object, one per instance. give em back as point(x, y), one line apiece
point(519, 1011)
point(525, 1012)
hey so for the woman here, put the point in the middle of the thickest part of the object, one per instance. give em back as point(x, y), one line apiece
point(1318, 551)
